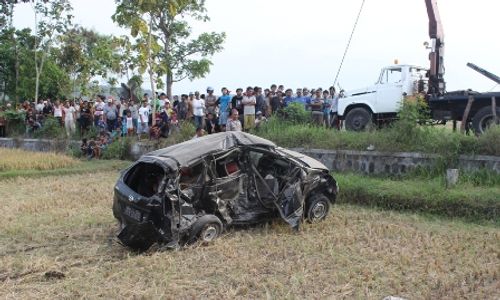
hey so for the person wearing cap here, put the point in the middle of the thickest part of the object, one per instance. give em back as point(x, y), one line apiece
point(211, 102)
point(110, 114)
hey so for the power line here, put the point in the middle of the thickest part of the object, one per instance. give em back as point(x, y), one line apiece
point(349, 42)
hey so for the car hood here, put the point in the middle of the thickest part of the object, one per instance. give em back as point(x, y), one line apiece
point(307, 160)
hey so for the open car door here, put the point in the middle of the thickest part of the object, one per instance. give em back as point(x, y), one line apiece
point(278, 182)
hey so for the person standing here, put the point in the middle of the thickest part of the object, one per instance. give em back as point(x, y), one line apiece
point(98, 109)
point(69, 118)
point(327, 108)
point(334, 117)
point(317, 108)
point(260, 104)
point(182, 107)
point(249, 102)
point(198, 111)
point(224, 103)
point(85, 117)
point(143, 119)
point(288, 97)
point(211, 102)
point(110, 114)
point(58, 112)
point(134, 113)
point(236, 103)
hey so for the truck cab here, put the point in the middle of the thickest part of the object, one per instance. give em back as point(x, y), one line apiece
point(381, 101)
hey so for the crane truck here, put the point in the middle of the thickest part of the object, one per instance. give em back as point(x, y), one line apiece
point(380, 102)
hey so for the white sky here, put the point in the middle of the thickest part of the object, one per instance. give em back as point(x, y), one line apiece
point(300, 43)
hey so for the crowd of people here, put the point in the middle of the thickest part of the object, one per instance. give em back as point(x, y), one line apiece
point(155, 117)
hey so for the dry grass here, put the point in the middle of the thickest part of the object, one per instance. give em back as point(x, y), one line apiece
point(65, 225)
point(16, 159)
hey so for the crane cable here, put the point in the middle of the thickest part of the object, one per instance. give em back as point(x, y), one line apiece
point(349, 42)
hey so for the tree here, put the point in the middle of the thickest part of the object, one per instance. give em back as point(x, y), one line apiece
point(51, 18)
point(181, 57)
point(85, 54)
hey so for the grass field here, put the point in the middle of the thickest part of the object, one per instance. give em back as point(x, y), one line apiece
point(57, 240)
point(16, 159)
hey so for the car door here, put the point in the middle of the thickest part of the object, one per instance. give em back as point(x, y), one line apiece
point(390, 90)
point(277, 181)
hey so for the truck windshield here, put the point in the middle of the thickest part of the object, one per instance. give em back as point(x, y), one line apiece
point(391, 76)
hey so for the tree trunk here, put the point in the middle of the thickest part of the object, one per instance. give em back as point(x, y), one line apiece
point(16, 87)
point(170, 83)
point(151, 73)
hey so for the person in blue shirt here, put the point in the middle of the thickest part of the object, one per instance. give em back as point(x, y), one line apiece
point(223, 102)
point(288, 97)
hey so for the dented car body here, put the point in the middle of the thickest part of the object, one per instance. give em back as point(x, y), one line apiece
point(193, 190)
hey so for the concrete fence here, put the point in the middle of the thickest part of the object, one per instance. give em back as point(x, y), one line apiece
point(367, 162)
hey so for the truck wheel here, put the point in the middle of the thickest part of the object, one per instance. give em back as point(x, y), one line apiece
point(358, 119)
point(483, 119)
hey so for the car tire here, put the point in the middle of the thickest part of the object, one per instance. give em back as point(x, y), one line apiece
point(358, 119)
point(317, 208)
point(206, 229)
point(483, 119)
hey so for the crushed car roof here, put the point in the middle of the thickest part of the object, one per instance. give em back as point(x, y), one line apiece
point(184, 153)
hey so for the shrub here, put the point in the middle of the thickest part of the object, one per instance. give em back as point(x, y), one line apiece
point(489, 142)
point(51, 129)
point(14, 122)
point(295, 113)
point(118, 149)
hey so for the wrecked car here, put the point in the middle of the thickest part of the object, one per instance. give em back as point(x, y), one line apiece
point(194, 190)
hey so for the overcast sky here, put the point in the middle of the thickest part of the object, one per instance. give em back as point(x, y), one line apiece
point(300, 43)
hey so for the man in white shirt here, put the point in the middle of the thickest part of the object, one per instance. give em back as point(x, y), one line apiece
point(249, 102)
point(143, 119)
point(198, 112)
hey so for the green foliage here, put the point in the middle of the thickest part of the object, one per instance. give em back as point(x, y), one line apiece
point(14, 122)
point(489, 142)
point(51, 129)
point(118, 149)
point(295, 113)
point(179, 56)
point(428, 196)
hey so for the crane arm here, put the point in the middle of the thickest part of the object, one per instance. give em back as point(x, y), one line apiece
point(436, 74)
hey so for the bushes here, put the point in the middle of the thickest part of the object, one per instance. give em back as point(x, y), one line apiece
point(14, 122)
point(118, 149)
point(489, 142)
point(428, 196)
point(51, 129)
point(407, 134)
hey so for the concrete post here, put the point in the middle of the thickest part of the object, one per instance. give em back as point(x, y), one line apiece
point(451, 177)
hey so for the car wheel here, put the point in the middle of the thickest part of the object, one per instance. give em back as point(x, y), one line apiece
point(206, 229)
point(483, 119)
point(358, 119)
point(317, 209)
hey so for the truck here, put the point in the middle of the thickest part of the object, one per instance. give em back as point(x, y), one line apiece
point(379, 104)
